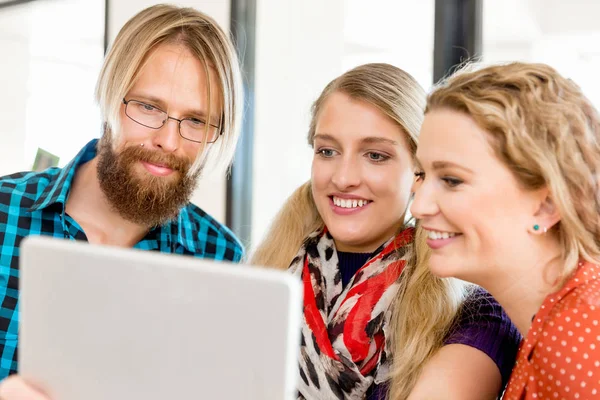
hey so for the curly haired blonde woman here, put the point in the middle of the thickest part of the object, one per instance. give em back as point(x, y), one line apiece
point(508, 193)
point(372, 309)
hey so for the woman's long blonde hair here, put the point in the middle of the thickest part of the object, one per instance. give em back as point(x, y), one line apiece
point(426, 306)
point(547, 133)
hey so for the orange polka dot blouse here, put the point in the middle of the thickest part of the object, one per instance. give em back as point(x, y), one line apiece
point(560, 357)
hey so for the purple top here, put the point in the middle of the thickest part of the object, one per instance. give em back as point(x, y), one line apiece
point(482, 323)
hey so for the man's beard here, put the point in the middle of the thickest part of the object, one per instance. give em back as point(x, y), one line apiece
point(140, 197)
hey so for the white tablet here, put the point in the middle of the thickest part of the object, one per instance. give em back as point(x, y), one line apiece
point(103, 323)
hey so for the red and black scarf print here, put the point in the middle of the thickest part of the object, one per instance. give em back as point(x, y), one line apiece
point(344, 348)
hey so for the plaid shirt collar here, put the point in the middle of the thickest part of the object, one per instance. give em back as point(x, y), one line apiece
point(57, 191)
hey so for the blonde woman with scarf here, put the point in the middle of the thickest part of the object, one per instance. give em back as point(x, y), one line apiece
point(377, 323)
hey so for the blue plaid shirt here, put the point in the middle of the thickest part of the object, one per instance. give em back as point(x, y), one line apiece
point(33, 203)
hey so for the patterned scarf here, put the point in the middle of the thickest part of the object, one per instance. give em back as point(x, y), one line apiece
point(344, 348)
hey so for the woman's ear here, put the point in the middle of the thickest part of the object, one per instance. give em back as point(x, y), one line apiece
point(546, 214)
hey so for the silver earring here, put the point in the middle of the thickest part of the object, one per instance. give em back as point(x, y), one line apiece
point(141, 144)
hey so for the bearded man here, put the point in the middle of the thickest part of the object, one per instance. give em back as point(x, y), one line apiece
point(170, 95)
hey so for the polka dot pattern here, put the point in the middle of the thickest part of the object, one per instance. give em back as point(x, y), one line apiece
point(560, 357)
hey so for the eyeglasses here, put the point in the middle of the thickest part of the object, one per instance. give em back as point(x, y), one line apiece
point(193, 129)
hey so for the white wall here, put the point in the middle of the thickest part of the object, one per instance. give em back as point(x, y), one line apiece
point(47, 76)
point(299, 50)
point(121, 11)
point(14, 74)
point(536, 31)
point(398, 32)
point(211, 192)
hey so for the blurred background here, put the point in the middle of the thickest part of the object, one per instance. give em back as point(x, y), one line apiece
point(51, 52)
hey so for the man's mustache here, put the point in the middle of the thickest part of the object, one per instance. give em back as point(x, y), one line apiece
point(171, 161)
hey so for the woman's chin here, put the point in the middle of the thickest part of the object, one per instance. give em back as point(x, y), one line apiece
point(442, 267)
